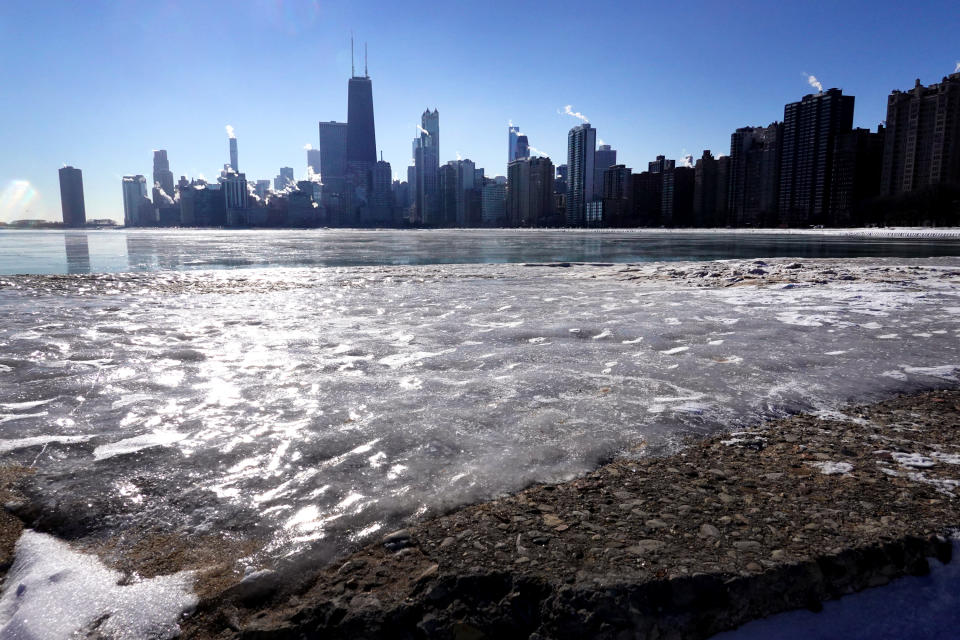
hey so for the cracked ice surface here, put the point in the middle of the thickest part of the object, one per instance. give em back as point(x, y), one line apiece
point(324, 410)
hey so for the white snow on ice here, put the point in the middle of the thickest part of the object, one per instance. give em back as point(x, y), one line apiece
point(53, 593)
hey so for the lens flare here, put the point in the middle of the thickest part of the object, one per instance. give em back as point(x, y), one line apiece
point(15, 200)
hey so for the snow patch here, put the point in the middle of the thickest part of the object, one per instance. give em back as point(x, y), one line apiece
point(53, 592)
point(833, 468)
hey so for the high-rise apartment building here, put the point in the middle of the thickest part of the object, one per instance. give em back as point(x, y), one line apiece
point(71, 197)
point(616, 195)
point(755, 175)
point(922, 141)
point(810, 129)
point(581, 148)
point(857, 163)
point(530, 192)
point(710, 190)
point(134, 193)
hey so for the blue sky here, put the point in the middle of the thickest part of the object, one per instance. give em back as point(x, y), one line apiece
point(100, 84)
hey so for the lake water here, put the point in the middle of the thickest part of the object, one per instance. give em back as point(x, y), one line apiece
point(152, 250)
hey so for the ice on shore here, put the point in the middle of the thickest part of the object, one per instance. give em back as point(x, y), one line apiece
point(314, 405)
point(53, 592)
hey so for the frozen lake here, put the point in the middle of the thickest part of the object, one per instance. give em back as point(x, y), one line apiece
point(313, 407)
point(152, 250)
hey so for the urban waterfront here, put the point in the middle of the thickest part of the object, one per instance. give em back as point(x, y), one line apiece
point(51, 252)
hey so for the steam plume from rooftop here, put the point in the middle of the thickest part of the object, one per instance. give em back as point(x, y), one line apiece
point(813, 82)
point(568, 110)
point(230, 133)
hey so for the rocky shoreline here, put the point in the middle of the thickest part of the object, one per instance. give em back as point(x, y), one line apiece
point(730, 529)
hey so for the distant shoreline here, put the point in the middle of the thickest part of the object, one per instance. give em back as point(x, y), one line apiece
point(938, 233)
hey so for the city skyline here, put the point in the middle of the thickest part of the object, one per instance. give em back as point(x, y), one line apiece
point(475, 119)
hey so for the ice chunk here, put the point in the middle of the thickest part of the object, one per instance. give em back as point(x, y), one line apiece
point(23, 443)
point(53, 592)
point(131, 445)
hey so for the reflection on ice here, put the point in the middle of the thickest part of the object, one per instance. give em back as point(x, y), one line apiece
point(328, 408)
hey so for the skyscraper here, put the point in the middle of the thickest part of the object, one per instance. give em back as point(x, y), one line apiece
point(922, 143)
point(581, 148)
point(333, 149)
point(427, 161)
point(810, 128)
point(233, 154)
point(513, 132)
point(361, 135)
point(71, 197)
point(162, 175)
point(134, 193)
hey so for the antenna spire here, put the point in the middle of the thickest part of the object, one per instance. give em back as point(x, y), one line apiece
point(352, 70)
point(365, 74)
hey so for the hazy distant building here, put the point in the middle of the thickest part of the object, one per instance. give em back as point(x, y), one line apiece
point(810, 129)
point(71, 197)
point(261, 187)
point(314, 162)
point(162, 175)
point(284, 179)
point(513, 133)
point(530, 192)
point(134, 193)
point(581, 148)
point(203, 205)
point(523, 147)
point(233, 154)
point(604, 158)
point(922, 141)
point(493, 204)
point(754, 176)
point(235, 193)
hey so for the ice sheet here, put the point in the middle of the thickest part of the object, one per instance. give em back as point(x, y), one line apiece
point(315, 406)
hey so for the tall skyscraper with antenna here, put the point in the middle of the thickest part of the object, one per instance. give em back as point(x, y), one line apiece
point(361, 134)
